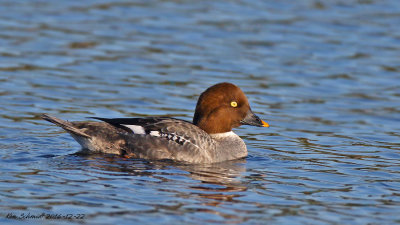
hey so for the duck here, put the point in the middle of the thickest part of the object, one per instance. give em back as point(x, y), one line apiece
point(207, 139)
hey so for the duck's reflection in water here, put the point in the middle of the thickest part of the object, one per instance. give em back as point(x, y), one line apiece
point(214, 183)
point(219, 181)
point(166, 186)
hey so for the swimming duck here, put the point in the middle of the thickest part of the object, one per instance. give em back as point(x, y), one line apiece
point(208, 139)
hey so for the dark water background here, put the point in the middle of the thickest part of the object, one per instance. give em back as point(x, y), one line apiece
point(325, 74)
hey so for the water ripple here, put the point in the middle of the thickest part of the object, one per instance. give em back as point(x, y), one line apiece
point(323, 74)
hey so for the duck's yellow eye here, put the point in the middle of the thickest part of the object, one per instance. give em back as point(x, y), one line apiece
point(234, 104)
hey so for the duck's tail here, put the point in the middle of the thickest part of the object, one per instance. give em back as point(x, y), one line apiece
point(69, 127)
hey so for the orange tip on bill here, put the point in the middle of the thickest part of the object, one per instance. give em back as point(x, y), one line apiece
point(265, 124)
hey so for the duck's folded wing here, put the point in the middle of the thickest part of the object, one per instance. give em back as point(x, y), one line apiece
point(176, 131)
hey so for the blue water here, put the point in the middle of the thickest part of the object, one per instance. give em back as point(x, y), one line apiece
point(324, 74)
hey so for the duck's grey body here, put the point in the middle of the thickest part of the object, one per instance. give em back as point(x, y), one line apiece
point(154, 138)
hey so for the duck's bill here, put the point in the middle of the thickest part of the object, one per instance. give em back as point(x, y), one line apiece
point(253, 120)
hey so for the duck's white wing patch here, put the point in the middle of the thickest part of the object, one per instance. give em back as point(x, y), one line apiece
point(155, 133)
point(135, 128)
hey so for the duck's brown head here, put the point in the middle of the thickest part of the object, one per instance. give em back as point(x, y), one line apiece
point(222, 107)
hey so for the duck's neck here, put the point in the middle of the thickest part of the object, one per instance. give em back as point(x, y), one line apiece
point(223, 135)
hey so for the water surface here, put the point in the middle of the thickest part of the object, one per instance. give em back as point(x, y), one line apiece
point(324, 74)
